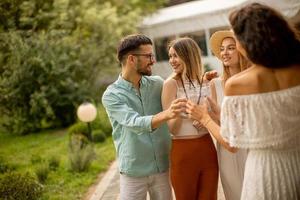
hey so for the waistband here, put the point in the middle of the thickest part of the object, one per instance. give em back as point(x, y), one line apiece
point(174, 137)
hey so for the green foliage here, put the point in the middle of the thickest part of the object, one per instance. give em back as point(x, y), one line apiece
point(5, 166)
point(102, 122)
point(98, 136)
point(101, 127)
point(37, 83)
point(52, 53)
point(19, 186)
point(36, 159)
point(26, 15)
point(79, 128)
point(42, 172)
point(61, 184)
point(53, 163)
point(81, 153)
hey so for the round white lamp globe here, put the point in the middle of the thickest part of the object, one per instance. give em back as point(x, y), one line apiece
point(86, 112)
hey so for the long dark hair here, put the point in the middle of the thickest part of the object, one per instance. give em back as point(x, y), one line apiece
point(266, 35)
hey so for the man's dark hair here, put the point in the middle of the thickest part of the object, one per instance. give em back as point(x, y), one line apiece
point(131, 43)
point(267, 37)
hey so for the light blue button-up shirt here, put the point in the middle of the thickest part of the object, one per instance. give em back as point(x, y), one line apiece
point(141, 151)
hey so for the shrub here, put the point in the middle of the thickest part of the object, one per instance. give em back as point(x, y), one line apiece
point(5, 167)
point(35, 159)
point(37, 89)
point(42, 172)
point(80, 128)
point(81, 153)
point(50, 61)
point(16, 186)
point(102, 121)
point(53, 163)
point(98, 136)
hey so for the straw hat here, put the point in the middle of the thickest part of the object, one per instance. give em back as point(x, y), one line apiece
point(216, 41)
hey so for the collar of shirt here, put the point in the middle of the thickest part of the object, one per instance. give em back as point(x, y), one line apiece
point(128, 85)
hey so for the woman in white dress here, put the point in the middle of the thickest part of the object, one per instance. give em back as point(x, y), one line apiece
point(261, 110)
point(231, 165)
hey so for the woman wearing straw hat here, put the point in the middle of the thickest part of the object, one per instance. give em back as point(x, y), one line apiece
point(231, 165)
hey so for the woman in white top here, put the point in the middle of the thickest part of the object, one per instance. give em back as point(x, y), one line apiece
point(231, 165)
point(261, 110)
point(194, 164)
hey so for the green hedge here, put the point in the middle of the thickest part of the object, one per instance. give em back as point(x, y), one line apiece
point(17, 186)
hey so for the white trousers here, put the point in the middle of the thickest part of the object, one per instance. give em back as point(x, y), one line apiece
point(135, 188)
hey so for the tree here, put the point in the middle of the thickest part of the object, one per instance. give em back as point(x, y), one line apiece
point(53, 51)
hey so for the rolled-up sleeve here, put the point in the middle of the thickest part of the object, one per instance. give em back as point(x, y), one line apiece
point(119, 111)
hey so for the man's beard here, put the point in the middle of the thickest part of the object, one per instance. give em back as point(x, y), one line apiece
point(148, 73)
point(144, 72)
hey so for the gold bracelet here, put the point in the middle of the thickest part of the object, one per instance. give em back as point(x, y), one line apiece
point(205, 124)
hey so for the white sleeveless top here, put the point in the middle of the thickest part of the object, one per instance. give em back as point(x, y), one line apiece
point(268, 124)
point(186, 128)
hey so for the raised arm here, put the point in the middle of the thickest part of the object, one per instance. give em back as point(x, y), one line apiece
point(200, 113)
point(119, 111)
point(171, 113)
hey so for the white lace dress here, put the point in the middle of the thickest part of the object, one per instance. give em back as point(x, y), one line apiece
point(231, 165)
point(267, 124)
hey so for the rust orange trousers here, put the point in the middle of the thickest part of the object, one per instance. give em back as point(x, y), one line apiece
point(194, 169)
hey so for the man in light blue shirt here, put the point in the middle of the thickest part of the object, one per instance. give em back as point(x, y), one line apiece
point(141, 137)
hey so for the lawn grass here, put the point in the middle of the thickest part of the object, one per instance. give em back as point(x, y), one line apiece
point(25, 153)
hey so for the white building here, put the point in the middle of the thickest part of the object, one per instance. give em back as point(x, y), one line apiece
point(199, 19)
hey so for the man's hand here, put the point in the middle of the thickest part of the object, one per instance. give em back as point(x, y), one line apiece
point(176, 108)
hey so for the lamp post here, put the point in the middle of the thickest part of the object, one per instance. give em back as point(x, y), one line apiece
point(87, 112)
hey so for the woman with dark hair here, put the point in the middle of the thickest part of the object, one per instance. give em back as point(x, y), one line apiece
point(261, 109)
point(194, 164)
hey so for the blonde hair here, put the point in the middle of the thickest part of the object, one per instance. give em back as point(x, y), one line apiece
point(244, 63)
point(189, 52)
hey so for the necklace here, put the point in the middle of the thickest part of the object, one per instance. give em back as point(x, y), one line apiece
point(191, 82)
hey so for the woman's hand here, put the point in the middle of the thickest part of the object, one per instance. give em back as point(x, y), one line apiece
point(201, 114)
point(198, 125)
point(208, 76)
point(198, 112)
